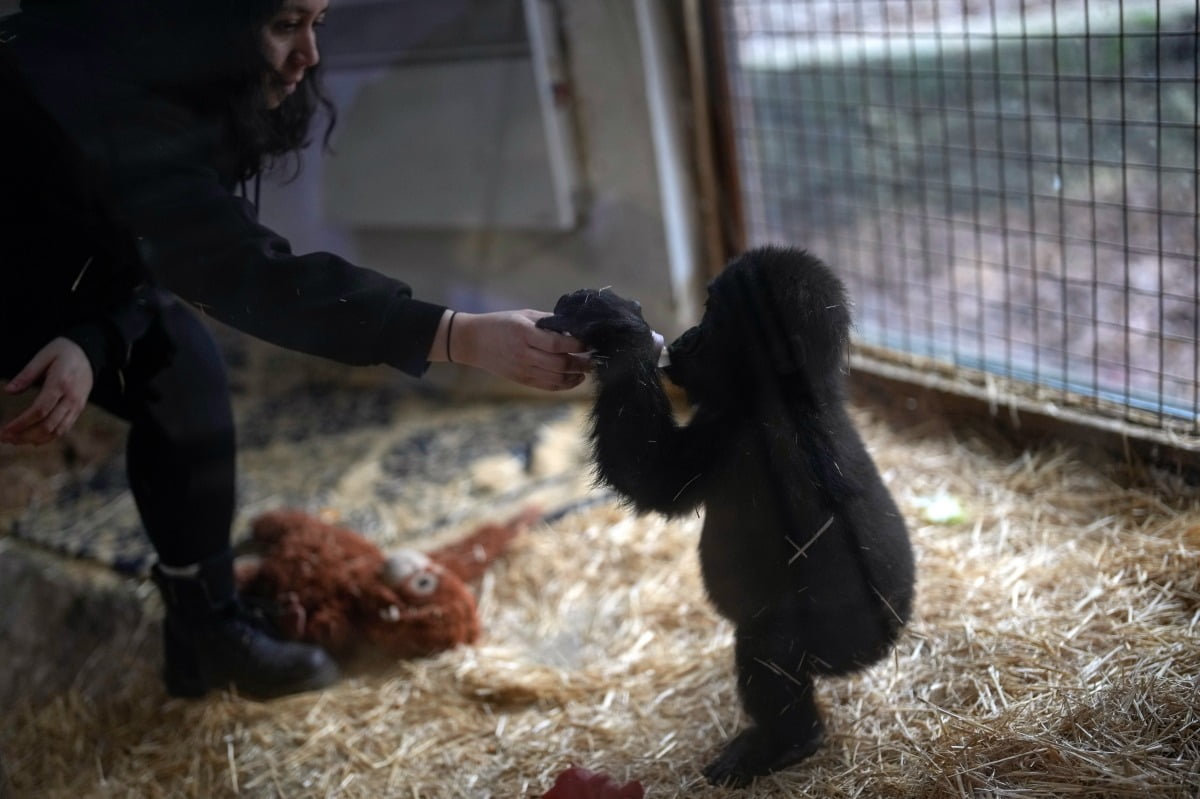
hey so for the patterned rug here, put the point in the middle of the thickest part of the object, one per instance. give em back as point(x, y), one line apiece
point(400, 465)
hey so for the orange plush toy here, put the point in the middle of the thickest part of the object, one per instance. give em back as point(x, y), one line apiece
point(329, 585)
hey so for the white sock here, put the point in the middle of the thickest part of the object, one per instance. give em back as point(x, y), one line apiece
point(190, 570)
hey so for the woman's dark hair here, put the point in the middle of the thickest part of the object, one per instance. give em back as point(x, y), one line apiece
point(262, 136)
point(221, 72)
point(210, 54)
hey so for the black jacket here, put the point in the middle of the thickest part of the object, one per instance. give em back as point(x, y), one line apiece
point(163, 165)
point(68, 267)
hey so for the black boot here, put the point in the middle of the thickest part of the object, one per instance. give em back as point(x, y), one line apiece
point(210, 642)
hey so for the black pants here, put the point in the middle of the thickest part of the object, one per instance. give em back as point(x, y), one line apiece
point(181, 450)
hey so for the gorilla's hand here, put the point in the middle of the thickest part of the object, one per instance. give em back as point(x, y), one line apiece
point(608, 324)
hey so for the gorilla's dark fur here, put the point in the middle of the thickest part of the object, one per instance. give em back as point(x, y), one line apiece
point(803, 548)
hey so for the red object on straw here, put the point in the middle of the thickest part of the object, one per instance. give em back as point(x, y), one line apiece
point(579, 783)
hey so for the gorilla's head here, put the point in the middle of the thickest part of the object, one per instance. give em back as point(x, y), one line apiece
point(772, 312)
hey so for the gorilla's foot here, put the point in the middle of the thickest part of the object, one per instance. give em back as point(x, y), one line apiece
point(755, 751)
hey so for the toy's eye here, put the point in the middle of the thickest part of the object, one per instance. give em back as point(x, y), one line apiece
point(401, 564)
point(423, 584)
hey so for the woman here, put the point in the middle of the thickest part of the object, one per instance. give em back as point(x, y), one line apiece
point(173, 106)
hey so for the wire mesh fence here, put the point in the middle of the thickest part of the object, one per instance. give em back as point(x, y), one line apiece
point(1008, 187)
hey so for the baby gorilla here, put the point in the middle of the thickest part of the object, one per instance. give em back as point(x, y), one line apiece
point(803, 548)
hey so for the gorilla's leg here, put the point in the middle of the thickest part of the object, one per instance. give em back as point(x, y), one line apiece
point(774, 673)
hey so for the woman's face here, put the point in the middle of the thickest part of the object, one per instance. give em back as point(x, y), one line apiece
point(290, 44)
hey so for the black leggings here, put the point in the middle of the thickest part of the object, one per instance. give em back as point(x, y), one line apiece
point(181, 450)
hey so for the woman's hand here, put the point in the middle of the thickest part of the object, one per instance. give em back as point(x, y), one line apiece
point(65, 374)
point(508, 344)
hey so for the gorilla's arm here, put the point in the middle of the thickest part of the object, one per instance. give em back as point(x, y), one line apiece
point(640, 450)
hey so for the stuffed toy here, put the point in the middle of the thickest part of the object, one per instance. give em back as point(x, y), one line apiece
point(326, 584)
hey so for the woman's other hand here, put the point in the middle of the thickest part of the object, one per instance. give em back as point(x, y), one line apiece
point(509, 345)
point(65, 375)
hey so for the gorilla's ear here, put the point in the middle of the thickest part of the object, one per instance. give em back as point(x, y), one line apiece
point(765, 327)
point(792, 308)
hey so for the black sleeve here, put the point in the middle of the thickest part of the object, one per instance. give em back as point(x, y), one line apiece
point(96, 343)
point(204, 244)
point(161, 165)
point(108, 338)
point(69, 268)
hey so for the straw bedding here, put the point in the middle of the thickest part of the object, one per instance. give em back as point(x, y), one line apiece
point(390, 462)
point(1053, 652)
